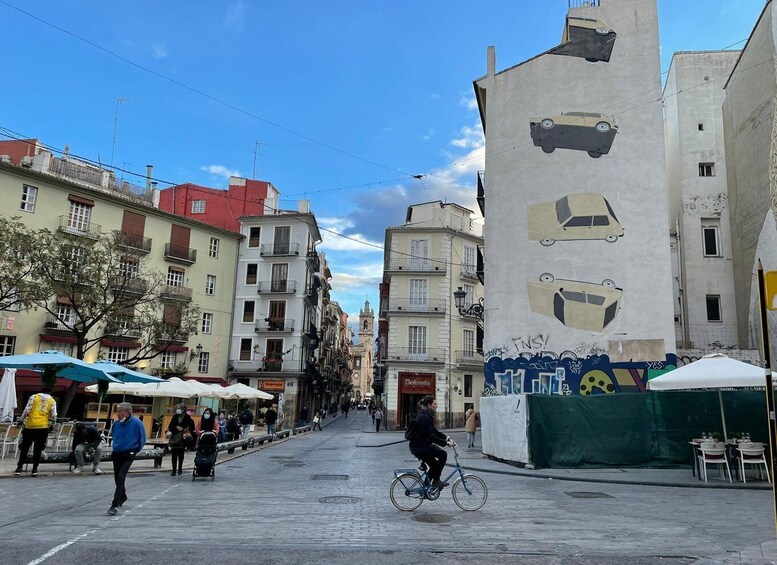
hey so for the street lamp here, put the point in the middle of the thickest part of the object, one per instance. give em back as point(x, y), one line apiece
point(476, 309)
point(196, 351)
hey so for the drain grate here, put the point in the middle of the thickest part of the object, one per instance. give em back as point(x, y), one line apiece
point(432, 518)
point(280, 457)
point(339, 500)
point(329, 478)
point(588, 495)
point(294, 464)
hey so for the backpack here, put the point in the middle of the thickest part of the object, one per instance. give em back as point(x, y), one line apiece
point(411, 432)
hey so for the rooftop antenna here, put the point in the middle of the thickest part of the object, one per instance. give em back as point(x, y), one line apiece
point(257, 144)
point(119, 100)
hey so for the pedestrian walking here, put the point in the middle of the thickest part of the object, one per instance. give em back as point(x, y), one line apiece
point(270, 416)
point(233, 428)
point(471, 426)
point(316, 422)
point(378, 418)
point(129, 437)
point(246, 420)
point(38, 417)
point(181, 426)
point(222, 421)
point(87, 439)
point(372, 413)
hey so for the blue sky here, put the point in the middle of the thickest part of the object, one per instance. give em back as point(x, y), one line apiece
point(348, 99)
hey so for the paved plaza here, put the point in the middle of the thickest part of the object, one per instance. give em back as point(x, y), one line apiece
point(323, 497)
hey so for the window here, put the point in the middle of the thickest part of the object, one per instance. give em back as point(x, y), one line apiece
point(79, 216)
point(74, 259)
point(469, 260)
point(248, 311)
point(469, 291)
point(198, 206)
point(7, 345)
point(713, 308)
point(213, 249)
point(207, 322)
point(66, 348)
point(281, 240)
point(167, 360)
point(706, 169)
point(468, 386)
point(128, 268)
point(29, 196)
point(701, 127)
point(66, 315)
point(253, 237)
point(203, 361)
point(174, 276)
point(118, 354)
point(246, 348)
point(418, 292)
point(251, 270)
point(468, 344)
point(357, 363)
point(280, 273)
point(417, 340)
point(710, 229)
point(419, 254)
point(210, 285)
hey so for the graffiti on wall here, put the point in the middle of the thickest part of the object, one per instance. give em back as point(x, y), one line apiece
point(549, 373)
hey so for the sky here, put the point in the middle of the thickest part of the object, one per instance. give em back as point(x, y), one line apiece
point(339, 103)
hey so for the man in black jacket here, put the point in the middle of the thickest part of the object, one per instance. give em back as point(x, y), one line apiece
point(87, 438)
point(246, 419)
point(428, 442)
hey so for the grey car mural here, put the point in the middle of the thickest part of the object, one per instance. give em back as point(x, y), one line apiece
point(581, 131)
point(587, 38)
point(573, 217)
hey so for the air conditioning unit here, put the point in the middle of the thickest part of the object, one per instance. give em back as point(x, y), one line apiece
point(26, 161)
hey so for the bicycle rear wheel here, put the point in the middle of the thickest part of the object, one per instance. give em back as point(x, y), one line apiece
point(407, 492)
point(469, 492)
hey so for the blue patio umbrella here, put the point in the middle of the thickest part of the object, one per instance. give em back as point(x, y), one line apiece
point(125, 374)
point(66, 367)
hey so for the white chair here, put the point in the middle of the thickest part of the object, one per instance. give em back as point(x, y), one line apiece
point(713, 453)
point(64, 437)
point(9, 435)
point(753, 454)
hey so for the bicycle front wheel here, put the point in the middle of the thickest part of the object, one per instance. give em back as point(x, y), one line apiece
point(469, 492)
point(407, 492)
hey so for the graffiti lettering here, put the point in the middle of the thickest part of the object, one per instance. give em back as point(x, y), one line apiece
point(531, 343)
point(495, 352)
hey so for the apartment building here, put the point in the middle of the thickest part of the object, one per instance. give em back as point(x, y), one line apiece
point(278, 309)
point(577, 262)
point(80, 200)
point(424, 345)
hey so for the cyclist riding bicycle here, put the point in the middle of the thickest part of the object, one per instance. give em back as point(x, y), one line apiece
point(427, 441)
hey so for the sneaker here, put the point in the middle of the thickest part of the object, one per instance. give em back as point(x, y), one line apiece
point(112, 511)
point(34, 472)
point(77, 470)
point(439, 484)
point(123, 500)
point(18, 471)
point(97, 471)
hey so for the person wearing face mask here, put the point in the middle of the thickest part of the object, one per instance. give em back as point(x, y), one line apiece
point(180, 425)
point(222, 421)
point(208, 423)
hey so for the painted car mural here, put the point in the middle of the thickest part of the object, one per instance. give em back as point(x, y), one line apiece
point(576, 304)
point(587, 38)
point(575, 216)
point(582, 131)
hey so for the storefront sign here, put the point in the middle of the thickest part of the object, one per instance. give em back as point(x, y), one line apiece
point(272, 385)
point(416, 383)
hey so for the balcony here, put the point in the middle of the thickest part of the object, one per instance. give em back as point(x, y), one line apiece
point(123, 329)
point(314, 262)
point(172, 292)
point(129, 286)
point(416, 355)
point(418, 265)
point(481, 197)
point(275, 325)
point(481, 266)
point(469, 357)
point(277, 287)
point(55, 325)
point(278, 249)
point(469, 272)
point(429, 306)
point(180, 254)
point(171, 333)
point(245, 365)
point(78, 228)
point(134, 243)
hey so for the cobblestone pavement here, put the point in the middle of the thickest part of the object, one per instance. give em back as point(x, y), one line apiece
point(275, 505)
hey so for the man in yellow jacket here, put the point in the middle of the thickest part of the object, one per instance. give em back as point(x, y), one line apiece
point(39, 415)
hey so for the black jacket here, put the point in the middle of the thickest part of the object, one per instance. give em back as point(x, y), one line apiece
point(233, 425)
point(246, 417)
point(183, 420)
point(426, 433)
point(87, 435)
point(270, 416)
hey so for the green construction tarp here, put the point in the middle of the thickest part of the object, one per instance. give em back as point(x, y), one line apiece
point(635, 429)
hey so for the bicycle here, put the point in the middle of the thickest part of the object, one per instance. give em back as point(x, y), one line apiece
point(410, 488)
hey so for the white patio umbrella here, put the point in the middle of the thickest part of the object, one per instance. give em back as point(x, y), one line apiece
point(118, 388)
point(173, 387)
point(125, 374)
point(206, 390)
point(239, 390)
point(714, 371)
point(8, 395)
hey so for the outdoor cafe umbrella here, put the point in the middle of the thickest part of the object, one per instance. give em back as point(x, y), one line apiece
point(8, 395)
point(125, 374)
point(173, 387)
point(67, 367)
point(239, 390)
point(713, 371)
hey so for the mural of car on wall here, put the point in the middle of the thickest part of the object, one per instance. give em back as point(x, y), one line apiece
point(576, 304)
point(575, 216)
point(587, 38)
point(581, 131)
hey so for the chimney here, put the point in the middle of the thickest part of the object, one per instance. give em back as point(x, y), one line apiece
point(149, 175)
point(491, 60)
point(154, 195)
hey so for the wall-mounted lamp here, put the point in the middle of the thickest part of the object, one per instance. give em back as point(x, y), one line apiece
point(477, 309)
point(257, 350)
point(196, 351)
point(457, 386)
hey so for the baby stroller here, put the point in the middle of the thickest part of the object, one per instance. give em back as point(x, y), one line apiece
point(205, 458)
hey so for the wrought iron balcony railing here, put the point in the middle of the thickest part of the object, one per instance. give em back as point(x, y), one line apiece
point(277, 287)
point(430, 305)
point(275, 325)
point(74, 226)
point(416, 354)
point(278, 249)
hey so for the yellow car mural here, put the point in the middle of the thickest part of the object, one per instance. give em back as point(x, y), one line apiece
point(575, 216)
point(576, 304)
point(581, 131)
point(588, 38)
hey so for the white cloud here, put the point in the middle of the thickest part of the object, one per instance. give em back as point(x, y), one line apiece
point(470, 137)
point(468, 102)
point(429, 134)
point(158, 51)
point(351, 242)
point(235, 18)
point(221, 171)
